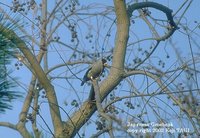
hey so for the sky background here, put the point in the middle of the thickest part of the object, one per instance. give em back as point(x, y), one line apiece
point(12, 115)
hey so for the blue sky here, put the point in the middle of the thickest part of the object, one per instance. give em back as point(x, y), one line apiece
point(12, 115)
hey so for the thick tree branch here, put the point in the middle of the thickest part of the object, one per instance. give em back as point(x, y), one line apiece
point(172, 28)
point(122, 35)
point(116, 73)
point(21, 129)
point(9, 125)
point(43, 80)
point(100, 108)
point(27, 103)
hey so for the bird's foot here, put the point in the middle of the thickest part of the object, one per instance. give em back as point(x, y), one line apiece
point(91, 78)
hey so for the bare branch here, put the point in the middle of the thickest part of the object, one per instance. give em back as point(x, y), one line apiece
point(9, 125)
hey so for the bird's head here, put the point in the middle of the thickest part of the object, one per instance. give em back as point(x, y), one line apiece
point(104, 61)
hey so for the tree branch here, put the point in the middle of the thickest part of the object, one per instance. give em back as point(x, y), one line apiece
point(9, 125)
point(172, 28)
point(100, 108)
point(164, 88)
point(44, 81)
point(116, 73)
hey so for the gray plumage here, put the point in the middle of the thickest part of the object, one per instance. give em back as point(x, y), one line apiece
point(94, 71)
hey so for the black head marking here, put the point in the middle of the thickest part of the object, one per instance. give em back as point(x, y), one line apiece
point(103, 60)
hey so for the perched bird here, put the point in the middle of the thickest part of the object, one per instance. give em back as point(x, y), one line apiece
point(94, 71)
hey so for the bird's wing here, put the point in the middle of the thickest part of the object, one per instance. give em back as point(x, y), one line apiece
point(97, 69)
point(85, 78)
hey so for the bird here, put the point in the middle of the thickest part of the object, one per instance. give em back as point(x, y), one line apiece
point(94, 71)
